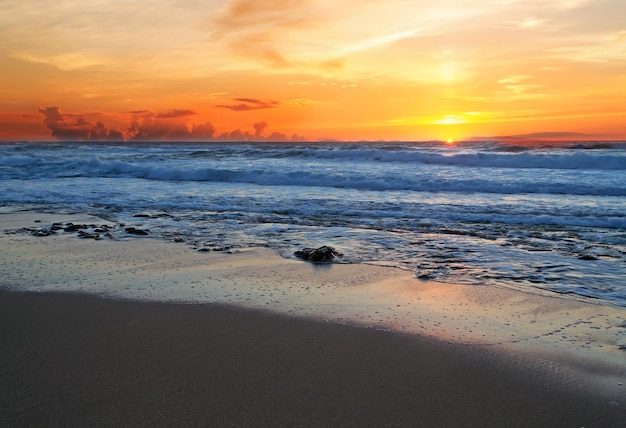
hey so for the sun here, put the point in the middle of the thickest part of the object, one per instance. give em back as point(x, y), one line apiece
point(449, 141)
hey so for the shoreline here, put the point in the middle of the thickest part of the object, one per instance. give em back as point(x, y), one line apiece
point(566, 346)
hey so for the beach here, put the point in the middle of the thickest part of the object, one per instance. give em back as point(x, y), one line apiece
point(141, 332)
point(166, 173)
point(73, 360)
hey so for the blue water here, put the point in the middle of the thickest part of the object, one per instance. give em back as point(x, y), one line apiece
point(545, 216)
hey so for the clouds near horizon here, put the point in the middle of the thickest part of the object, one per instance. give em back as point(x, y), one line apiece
point(79, 129)
point(145, 125)
point(259, 127)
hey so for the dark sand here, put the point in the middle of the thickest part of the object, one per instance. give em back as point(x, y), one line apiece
point(69, 360)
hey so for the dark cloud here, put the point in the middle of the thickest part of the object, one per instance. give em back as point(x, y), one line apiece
point(255, 101)
point(259, 127)
point(277, 137)
point(236, 135)
point(115, 135)
point(247, 104)
point(171, 125)
point(53, 115)
point(81, 129)
point(147, 126)
point(203, 131)
point(175, 114)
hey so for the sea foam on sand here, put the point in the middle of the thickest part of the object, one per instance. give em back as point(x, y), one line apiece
point(543, 327)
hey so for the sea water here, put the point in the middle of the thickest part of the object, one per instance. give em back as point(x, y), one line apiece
point(548, 216)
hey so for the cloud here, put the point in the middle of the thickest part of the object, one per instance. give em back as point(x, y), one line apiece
point(264, 31)
point(235, 135)
point(203, 131)
point(379, 41)
point(170, 125)
point(53, 115)
point(145, 125)
point(175, 114)
point(272, 13)
point(275, 59)
point(148, 126)
point(259, 127)
point(81, 129)
point(278, 137)
point(247, 104)
point(115, 135)
point(514, 79)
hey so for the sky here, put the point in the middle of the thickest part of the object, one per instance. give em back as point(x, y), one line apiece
point(314, 70)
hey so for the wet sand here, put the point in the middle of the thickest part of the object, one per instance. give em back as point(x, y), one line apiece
point(75, 360)
point(268, 341)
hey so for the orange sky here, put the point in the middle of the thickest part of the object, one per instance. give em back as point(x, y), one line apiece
point(341, 69)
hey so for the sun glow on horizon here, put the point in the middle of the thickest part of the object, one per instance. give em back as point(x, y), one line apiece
point(450, 120)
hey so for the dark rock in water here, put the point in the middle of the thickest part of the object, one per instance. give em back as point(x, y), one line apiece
point(31, 230)
point(157, 215)
point(207, 249)
point(134, 231)
point(321, 254)
point(587, 257)
point(71, 227)
point(42, 232)
point(86, 235)
point(82, 230)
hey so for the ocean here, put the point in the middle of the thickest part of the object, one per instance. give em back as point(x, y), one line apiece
point(548, 216)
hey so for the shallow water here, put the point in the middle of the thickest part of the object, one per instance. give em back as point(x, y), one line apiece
point(549, 217)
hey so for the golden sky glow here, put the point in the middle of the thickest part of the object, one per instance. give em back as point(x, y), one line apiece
point(341, 69)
